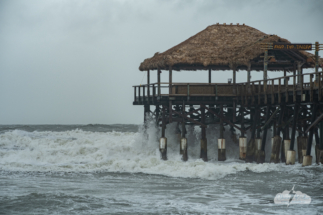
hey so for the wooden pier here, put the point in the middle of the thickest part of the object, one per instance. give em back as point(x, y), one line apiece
point(285, 103)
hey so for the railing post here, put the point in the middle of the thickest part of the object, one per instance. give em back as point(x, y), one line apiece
point(279, 91)
point(148, 85)
point(158, 81)
point(286, 89)
point(139, 97)
point(144, 93)
point(311, 87)
point(320, 85)
point(294, 86)
point(188, 92)
point(154, 93)
point(259, 91)
point(272, 91)
point(170, 80)
point(253, 92)
point(135, 93)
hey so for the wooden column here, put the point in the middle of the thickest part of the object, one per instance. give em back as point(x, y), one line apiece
point(310, 137)
point(251, 147)
point(210, 77)
point(158, 81)
point(299, 72)
point(295, 117)
point(148, 85)
point(163, 139)
point(221, 140)
point(203, 153)
point(170, 80)
point(316, 60)
point(261, 153)
point(248, 71)
point(265, 70)
point(183, 143)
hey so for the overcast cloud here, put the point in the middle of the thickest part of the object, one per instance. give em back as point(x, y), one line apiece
point(74, 62)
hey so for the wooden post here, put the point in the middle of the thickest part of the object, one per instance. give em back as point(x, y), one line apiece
point(148, 85)
point(310, 137)
point(221, 140)
point(265, 71)
point(163, 139)
point(316, 60)
point(299, 72)
point(295, 116)
point(248, 73)
point(272, 91)
point(251, 147)
point(183, 144)
point(203, 153)
point(261, 153)
point(275, 149)
point(279, 91)
point(158, 81)
point(157, 115)
point(311, 87)
point(170, 80)
point(210, 76)
point(234, 80)
point(286, 86)
point(135, 93)
point(294, 84)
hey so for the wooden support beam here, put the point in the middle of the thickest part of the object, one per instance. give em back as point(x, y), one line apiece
point(270, 119)
point(192, 120)
point(170, 80)
point(310, 137)
point(264, 135)
point(295, 117)
point(210, 78)
point(221, 116)
point(158, 81)
point(148, 85)
point(163, 121)
point(314, 123)
point(203, 153)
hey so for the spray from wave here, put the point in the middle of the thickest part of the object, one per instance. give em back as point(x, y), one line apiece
point(133, 152)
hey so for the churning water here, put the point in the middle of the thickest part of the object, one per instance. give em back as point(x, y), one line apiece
point(116, 169)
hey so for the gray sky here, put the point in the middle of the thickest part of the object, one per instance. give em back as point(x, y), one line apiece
point(75, 61)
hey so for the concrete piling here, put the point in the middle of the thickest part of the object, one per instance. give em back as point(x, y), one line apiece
point(286, 148)
point(307, 160)
point(275, 149)
point(163, 148)
point(290, 158)
point(243, 148)
point(221, 150)
point(184, 149)
point(301, 145)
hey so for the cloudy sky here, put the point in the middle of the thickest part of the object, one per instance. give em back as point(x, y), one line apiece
point(75, 61)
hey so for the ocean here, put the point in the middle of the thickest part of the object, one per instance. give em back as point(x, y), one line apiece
point(116, 169)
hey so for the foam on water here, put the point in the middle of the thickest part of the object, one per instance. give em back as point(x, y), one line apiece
point(132, 152)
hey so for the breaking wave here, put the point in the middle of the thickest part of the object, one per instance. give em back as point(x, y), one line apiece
point(132, 152)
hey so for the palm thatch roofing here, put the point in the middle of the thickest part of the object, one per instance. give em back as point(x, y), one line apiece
point(223, 47)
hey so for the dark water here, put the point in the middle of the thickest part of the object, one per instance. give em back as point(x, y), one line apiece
point(114, 169)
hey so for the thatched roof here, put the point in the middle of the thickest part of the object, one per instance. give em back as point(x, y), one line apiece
point(222, 47)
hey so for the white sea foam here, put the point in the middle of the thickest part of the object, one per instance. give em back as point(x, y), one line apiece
point(82, 151)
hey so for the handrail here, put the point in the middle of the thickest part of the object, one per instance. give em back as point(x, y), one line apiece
point(246, 91)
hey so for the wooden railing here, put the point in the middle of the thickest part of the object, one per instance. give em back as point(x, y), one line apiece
point(244, 91)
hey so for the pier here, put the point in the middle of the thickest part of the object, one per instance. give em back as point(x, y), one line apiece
point(289, 104)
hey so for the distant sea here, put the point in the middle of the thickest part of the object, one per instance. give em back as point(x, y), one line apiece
point(116, 169)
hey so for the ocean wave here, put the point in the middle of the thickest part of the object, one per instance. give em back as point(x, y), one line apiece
point(132, 152)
